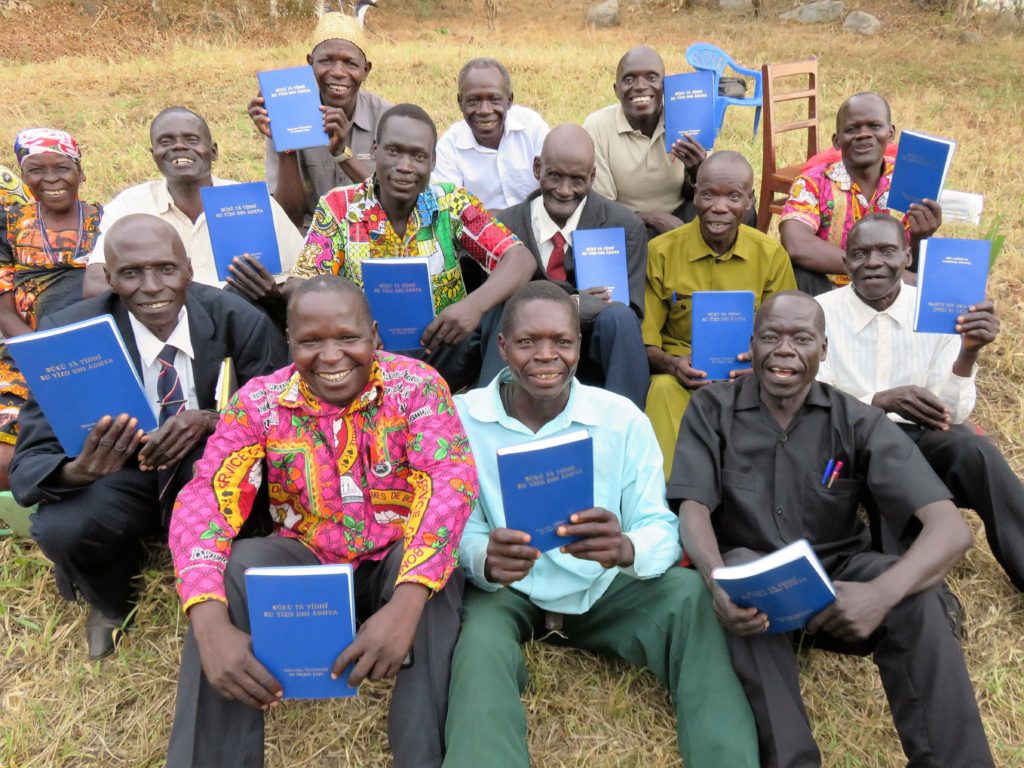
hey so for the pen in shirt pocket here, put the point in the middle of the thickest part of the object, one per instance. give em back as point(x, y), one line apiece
point(675, 298)
point(833, 474)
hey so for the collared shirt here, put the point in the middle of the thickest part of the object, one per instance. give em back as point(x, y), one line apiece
point(628, 482)
point(319, 171)
point(680, 263)
point(499, 177)
point(351, 226)
point(871, 351)
point(154, 198)
point(150, 347)
point(348, 482)
point(827, 200)
point(544, 228)
point(632, 169)
point(764, 486)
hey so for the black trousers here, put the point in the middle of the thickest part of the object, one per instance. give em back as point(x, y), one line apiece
point(922, 669)
point(210, 730)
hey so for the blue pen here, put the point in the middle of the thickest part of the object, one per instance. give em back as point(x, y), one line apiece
point(675, 298)
point(828, 471)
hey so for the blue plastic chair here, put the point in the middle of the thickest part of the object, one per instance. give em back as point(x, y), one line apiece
point(711, 58)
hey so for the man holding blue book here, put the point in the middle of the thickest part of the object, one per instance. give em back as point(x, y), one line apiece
point(613, 588)
point(924, 381)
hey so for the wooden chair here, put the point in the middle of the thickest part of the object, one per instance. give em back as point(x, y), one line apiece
point(776, 181)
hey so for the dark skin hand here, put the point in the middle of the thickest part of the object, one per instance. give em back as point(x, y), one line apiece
point(915, 403)
point(680, 367)
point(856, 613)
point(108, 446)
point(603, 541)
point(509, 556)
point(172, 442)
point(690, 153)
point(660, 221)
point(923, 219)
point(977, 328)
point(385, 639)
point(454, 323)
point(253, 280)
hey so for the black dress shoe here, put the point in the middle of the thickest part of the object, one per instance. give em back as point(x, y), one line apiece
point(102, 633)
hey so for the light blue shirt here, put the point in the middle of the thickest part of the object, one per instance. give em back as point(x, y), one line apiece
point(628, 481)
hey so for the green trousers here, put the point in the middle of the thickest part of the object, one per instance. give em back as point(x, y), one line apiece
point(666, 624)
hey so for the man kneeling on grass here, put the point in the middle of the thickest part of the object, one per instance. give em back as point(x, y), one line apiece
point(615, 591)
point(367, 464)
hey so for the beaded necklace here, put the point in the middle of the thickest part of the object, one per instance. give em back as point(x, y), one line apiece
point(47, 248)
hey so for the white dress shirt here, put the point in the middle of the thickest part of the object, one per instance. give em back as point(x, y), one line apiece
point(871, 351)
point(150, 346)
point(544, 228)
point(499, 177)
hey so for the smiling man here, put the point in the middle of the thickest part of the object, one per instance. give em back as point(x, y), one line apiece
point(298, 179)
point(366, 463)
point(491, 150)
point(827, 200)
point(399, 213)
point(616, 591)
point(96, 508)
point(715, 252)
point(749, 469)
point(925, 381)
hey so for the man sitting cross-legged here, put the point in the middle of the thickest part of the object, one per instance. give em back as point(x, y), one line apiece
point(616, 591)
point(366, 463)
point(925, 381)
point(96, 508)
point(749, 470)
point(545, 223)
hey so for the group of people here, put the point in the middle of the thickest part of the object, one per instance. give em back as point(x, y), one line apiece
point(334, 450)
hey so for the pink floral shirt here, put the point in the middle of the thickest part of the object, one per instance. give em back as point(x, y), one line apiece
point(394, 464)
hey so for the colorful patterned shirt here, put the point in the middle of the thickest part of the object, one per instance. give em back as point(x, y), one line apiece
point(827, 200)
point(394, 465)
point(350, 226)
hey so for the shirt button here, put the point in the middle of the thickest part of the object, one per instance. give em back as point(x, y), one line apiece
point(778, 510)
point(784, 438)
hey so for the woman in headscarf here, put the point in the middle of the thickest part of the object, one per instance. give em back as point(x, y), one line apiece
point(44, 248)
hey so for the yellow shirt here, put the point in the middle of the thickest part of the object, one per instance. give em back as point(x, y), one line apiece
point(680, 263)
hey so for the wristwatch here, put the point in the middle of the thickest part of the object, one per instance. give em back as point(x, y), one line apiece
point(345, 154)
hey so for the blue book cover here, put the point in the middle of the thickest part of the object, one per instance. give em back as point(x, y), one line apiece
point(599, 256)
point(922, 162)
point(301, 618)
point(292, 99)
point(240, 220)
point(78, 374)
point(543, 482)
point(401, 299)
point(722, 322)
point(690, 108)
point(951, 277)
point(789, 586)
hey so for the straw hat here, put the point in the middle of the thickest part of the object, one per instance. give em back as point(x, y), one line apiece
point(338, 26)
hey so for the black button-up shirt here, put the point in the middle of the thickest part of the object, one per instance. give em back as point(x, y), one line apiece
point(764, 484)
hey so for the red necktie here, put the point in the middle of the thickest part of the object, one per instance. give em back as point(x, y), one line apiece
point(556, 264)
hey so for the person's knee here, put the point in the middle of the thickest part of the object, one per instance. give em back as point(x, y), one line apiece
point(616, 318)
point(60, 527)
point(664, 387)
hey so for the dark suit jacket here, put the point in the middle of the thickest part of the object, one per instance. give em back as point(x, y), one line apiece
point(598, 213)
point(220, 324)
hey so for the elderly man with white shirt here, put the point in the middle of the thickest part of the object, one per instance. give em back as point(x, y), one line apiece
point(490, 152)
point(925, 381)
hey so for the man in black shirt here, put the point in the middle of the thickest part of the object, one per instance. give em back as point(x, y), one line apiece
point(749, 466)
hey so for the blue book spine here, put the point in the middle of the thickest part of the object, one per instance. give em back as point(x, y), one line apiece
point(292, 100)
point(788, 595)
point(399, 292)
point(722, 322)
point(300, 623)
point(241, 221)
point(599, 256)
point(920, 169)
point(953, 274)
point(690, 108)
point(541, 489)
point(78, 374)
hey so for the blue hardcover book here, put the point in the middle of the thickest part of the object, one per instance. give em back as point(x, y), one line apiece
point(599, 256)
point(690, 108)
point(543, 482)
point(922, 162)
point(951, 277)
point(240, 221)
point(302, 617)
point(401, 299)
point(722, 322)
point(789, 586)
point(78, 374)
point(292, 99)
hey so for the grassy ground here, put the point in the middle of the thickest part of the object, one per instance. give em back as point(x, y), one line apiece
point(104, 78)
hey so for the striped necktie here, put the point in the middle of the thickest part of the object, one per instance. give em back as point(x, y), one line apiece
point(168, 385)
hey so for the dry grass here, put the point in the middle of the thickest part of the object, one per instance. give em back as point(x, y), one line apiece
point(58, 710)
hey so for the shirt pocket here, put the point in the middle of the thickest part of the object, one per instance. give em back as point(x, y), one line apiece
point(830, 514)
